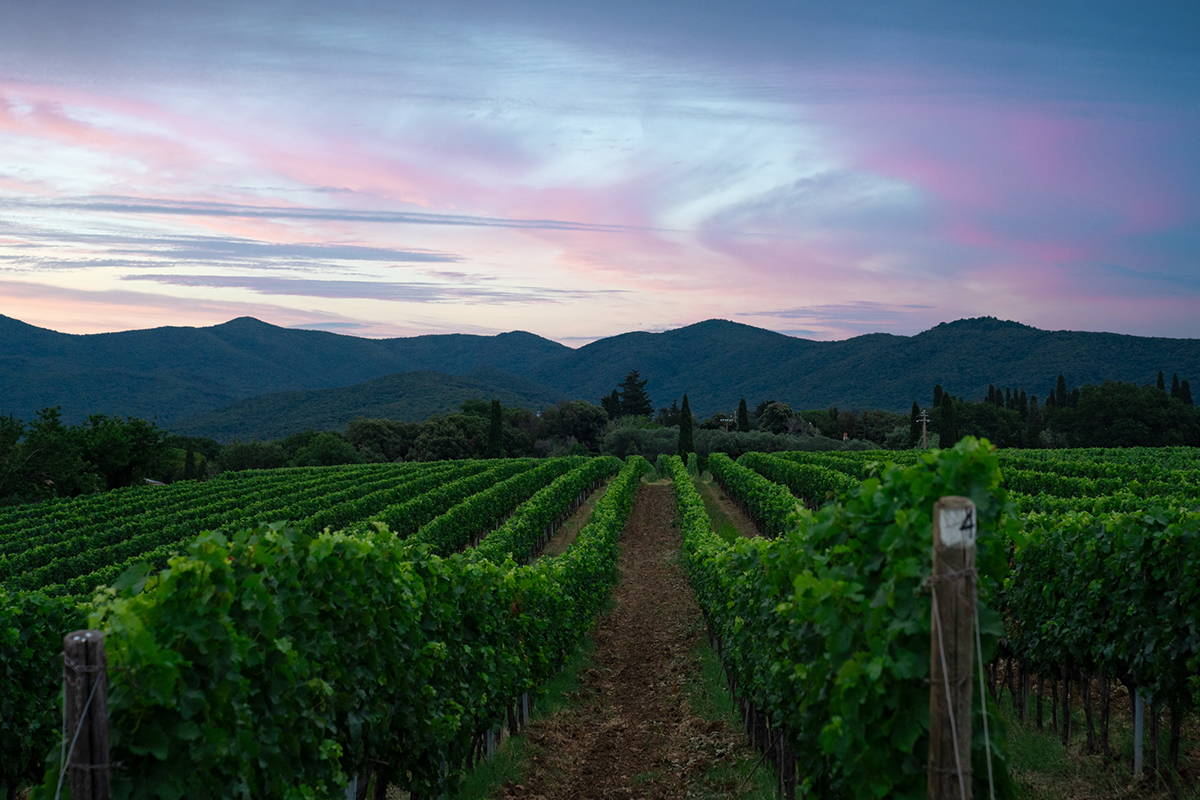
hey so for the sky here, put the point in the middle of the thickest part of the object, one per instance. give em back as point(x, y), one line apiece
point(582, 169)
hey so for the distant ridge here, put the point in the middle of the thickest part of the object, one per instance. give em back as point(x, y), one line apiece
point(173, 374)
point(408, 396)
point(717, 362)
point(178, 374)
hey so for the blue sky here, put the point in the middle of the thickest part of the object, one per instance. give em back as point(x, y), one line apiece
point(580, 170)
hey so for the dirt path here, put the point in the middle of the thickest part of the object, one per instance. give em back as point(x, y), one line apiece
point(632, 735)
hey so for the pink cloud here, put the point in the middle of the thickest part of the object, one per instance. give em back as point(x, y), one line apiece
point(83, 311)
point(1050, 181)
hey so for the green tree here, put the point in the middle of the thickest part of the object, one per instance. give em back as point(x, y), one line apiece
point(123, 451)
point(1185, 393)
point(948, 427)
point(495, 444)
point(937, 396)
point(686, 444)
point(1175, 385)
point(1033, 424)
point(1162, 384)
point(777, 418)
point(1060, 390)
point(612, 405)
point(440, 439)
point(914, 422)
point(12, 477)
point(743, 417)
point(252, 455)
point(382, 440)
point(293, 443)
point(476, 406)
point(574, 419)
point(189, 463)
point(53, 464)
point(668, 417)
point(635, 402)
point(326, 450)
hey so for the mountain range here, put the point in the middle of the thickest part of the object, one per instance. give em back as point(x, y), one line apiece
point(202, 380)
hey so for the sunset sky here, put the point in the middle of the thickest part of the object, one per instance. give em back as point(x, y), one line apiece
point(578, 170)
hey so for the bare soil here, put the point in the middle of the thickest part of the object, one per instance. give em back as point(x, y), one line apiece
point(632, 733)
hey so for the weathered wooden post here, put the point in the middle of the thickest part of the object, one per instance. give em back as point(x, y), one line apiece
point(1139, 706)
point(85, 699)
point(952, 648)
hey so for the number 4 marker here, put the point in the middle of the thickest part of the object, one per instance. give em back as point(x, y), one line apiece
point(958, 526)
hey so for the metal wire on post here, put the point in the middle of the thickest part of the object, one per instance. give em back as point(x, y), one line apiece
point(949, 699)
point(953, 611)
point(987, 739)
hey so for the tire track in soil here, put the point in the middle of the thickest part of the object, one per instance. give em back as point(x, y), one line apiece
point(632, 734)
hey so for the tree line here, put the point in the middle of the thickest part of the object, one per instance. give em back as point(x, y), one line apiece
point(1111, 414)
point(46, 458)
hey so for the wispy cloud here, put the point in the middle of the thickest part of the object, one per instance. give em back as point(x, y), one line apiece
point(372, 290)
point(834, 170)
point(122, 205)
point(842, 320)
point(862, 311)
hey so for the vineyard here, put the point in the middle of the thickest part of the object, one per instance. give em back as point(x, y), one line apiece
point(275, 633)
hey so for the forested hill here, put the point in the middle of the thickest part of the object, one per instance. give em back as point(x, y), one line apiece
point(408, 397)
point(717, 362)
point(175, 374)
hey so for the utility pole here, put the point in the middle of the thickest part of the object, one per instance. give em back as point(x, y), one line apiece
point(924, 418)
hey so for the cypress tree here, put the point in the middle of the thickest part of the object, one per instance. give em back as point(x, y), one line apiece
point(1162, 385)
point(1074, 397)
point(743, 417)
point(1023, 406)
point(914, 426)
point(948, 429)
point(634, 400)
point(612, 404)
point(495, 441)
point(189, 463)
point(991, 394)
point(1060, 388)
point(1185, 393)
point(1175, 385)
point(1008, 401)
point(1033, 429)
point(937, 396)
point(685, 429)
point(1050, 400)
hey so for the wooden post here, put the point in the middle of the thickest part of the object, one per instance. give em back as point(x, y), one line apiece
point(1152, 749)
point(1105, 697)
point(952, 648)
point(1066, 705)
point(85, 698)
point(1138, 716)
point(1087, 713)
point(1041, 686)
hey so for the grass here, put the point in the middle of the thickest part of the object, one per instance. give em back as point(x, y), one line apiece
point(709, 698)
point(508, 763)
point(1044, 770)
point(722, 525)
